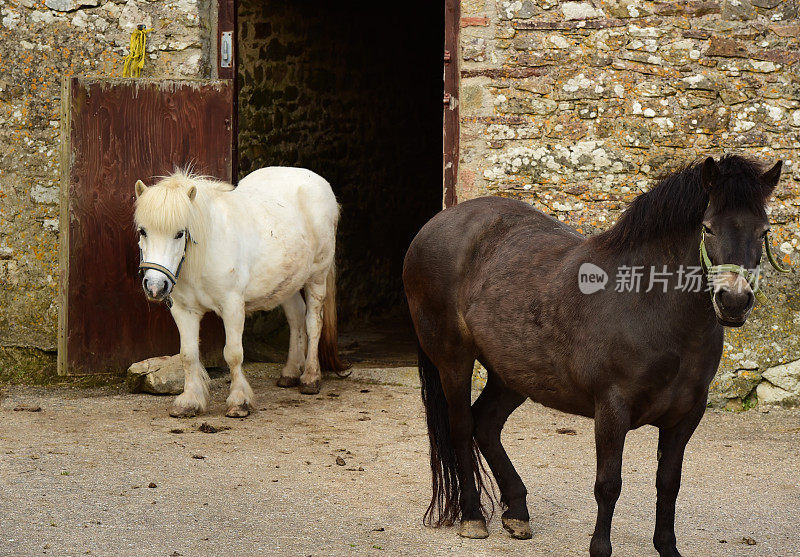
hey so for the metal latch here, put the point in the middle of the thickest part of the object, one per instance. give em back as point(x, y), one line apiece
point(226, 49)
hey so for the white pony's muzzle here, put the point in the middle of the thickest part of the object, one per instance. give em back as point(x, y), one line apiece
point(156, 285)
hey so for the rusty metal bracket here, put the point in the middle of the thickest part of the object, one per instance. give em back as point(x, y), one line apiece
point(447, 99)
point(446, 56)
point(226, 49)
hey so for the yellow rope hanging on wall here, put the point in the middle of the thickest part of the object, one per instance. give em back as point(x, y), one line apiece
point(134, 62)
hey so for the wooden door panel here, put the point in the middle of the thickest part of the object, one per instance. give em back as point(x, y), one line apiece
point(115, 132)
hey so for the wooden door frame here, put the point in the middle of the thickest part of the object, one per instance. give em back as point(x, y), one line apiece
point(451, 120)
point(228, 20)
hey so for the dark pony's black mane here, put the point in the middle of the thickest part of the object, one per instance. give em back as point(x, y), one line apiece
point(677, 203)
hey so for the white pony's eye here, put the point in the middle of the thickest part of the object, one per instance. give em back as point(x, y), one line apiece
point(179, 235)
point(142, 233)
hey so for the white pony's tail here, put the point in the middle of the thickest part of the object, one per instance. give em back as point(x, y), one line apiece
point(328, 350)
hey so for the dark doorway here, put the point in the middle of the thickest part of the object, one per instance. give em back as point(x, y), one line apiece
point(352, 91)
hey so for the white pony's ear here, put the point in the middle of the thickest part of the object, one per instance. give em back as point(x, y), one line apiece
point(140, 187)
point(192, 193)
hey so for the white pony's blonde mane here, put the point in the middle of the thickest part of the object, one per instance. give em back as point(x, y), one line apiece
point(166, 208)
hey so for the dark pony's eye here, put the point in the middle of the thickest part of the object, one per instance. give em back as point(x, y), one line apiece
point(142, 233)
point(707, 230)
point(179, 235)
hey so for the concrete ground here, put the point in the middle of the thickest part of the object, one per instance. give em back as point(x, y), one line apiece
point(103, 472)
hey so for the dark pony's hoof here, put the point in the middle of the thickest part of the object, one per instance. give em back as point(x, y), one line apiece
point(474, 529)
point(286, 382)
point(239, 411)
point(668, 550)
point(310, 388)
point(519, 529)
point(181, 412)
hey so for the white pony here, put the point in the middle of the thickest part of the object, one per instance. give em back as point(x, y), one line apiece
point(206, 246)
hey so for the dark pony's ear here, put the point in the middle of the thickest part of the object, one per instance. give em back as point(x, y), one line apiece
point(770, 179)
point(709, 174)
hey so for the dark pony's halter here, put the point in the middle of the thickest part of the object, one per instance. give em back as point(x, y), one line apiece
point(751, 277)
point(173, 278)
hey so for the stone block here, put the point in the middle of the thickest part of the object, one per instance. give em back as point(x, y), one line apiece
point(719, 46)
point(529, 105)
point(785, 376)
point(738, 10)
point(691, 8)
point(542, 58)
point(473, 49)
point(786, 30)
point(163, 375)
point(735, 384)
point(771, 395)
point(69, 5)
point(787, 57)
point(627, 8)
point(580, 10)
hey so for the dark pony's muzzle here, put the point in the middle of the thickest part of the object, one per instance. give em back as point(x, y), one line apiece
point(733, 299)
point(734, 288)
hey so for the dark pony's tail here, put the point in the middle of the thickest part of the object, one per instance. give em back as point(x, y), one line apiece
point(445, 508)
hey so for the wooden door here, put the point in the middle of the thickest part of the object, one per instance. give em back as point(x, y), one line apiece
point(116, 131)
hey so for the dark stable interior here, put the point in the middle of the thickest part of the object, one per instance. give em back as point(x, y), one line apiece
point(353, 92)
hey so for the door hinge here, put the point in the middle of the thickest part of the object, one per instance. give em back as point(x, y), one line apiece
point(447, 99)
point(446, 56)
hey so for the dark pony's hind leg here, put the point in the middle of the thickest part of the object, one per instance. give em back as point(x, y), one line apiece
point(490, 412)
point(457, 386)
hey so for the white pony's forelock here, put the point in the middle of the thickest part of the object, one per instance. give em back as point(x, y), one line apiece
point(167, 209)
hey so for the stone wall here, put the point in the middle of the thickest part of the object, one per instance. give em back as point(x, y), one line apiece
point(40, 43)
point(577, 107)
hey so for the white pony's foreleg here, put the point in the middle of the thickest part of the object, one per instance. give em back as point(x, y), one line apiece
point(240, 400)
point(295, 310)
point(194, 398)
point(311, 379)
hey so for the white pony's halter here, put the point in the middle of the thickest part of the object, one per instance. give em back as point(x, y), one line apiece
point(173, 278)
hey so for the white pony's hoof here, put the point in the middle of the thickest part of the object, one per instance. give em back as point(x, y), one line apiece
point(182, 412)
point(286, 381)
point(475, 529)
point(310, 388)
point(238, 411)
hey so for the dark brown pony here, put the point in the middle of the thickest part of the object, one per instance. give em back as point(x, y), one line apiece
point(496, 280)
